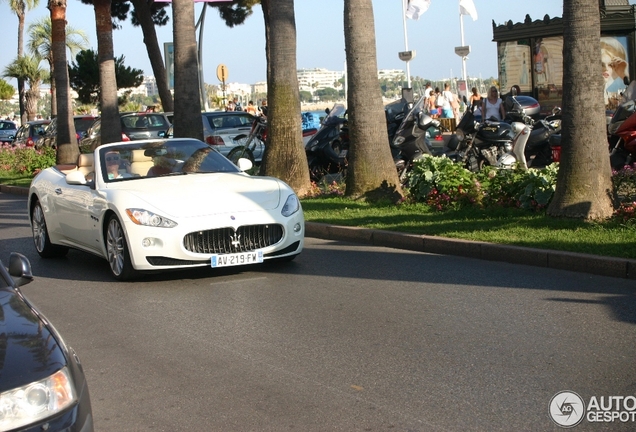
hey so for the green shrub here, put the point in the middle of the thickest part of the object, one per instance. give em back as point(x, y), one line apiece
point(25, 160)
point(443, 184)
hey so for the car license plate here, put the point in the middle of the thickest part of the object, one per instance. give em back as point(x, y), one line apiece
point(240, 258)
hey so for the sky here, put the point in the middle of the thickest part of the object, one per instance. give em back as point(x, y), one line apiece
point(320, 37)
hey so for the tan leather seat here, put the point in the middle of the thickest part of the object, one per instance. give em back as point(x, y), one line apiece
point(85, 163)
point(140, 163)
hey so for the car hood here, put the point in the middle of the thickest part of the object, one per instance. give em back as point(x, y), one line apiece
point(28, 349)
point(195, 195)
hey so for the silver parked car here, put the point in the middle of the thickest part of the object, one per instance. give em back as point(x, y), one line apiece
point(8, 129)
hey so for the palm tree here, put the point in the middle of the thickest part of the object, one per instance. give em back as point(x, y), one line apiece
point(372, 173)
point(40, 43)
point(67, 148)
point(285, 156)
point(111, 124)
point(187, 108)
point(27, 69)
point(20, 7)
point(584, 180)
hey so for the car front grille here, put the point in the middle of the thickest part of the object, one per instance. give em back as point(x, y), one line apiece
point(226, 240)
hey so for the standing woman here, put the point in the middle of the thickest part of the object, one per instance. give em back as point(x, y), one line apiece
point(492, 106)
point(475, 100)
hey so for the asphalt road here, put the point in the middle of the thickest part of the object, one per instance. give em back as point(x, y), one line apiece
point(345, 338)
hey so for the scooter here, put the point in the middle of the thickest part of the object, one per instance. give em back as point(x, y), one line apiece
point(327, 149)
point(624, 150)
point(410, 142)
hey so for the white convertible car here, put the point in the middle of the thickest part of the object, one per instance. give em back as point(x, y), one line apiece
point(164, 204)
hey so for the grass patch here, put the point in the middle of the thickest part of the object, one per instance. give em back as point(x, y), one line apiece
point(496, 225)
point(14, 179)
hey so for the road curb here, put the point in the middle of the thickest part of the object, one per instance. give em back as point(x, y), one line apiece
point(15, 190)
point(595, 264)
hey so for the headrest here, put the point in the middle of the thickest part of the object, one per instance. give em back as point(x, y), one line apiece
point(85, 159)
point(139, 156)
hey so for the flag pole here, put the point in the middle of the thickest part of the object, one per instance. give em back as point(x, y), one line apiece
point(461, 31)
point(406, 44)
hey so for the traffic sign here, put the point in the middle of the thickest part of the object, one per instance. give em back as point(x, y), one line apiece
point(221, 72)
point(462, 51)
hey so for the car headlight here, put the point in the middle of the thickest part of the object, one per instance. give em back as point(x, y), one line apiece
point(36, 401)
point(148, 218)
point(292, 205)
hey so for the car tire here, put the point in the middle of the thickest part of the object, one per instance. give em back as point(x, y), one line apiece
point(240, 152)
point(117, 251)
point(41, 238)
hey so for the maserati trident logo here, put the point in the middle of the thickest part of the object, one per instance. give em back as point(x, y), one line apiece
point(236, 240)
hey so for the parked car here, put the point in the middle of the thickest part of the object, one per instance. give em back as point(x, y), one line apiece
point(8, 129)
point(42, 382)
point(134, 126)
point(164, 204)
point(49, 138)
point(30, 132)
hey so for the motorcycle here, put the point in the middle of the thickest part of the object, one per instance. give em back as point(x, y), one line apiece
point(328, 148)
point(410, 142)
point(497, 143)
point(246, 144)
point(623, 151)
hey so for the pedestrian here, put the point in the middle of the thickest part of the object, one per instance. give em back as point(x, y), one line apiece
point(237, 105)
point(448, 102)
point(263, 108)
point(492, 107)
point(475, 100)
point(251, 108)
point(230, 106)
point(428, 90)
point(433, 110)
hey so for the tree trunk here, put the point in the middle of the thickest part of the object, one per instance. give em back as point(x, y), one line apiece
point(144, 17)
point(53, 91)
point(371, 173)
point(111, 125)
point(31, 98)
point(21, 88)
point(285, 156)
point(67, 148)
point(584, 186)
point(187, 106)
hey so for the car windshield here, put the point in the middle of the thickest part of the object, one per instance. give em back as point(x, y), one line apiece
point(143, 159)
point(5, 125)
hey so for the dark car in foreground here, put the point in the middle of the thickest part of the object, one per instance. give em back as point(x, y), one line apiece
point(30, 132)
point(42, 383)
point(49, 138)
point(8, 130)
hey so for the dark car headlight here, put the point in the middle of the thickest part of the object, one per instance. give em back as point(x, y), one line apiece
point(36, 401)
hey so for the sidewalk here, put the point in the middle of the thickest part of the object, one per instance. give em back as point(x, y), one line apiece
point(583, 263)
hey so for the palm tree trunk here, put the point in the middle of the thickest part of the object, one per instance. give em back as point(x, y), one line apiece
point(584, 187)
point(144, 16)
point(67, 148)
point(187, 105)
point(372, 173)
point(285, 156)
point(111, 125)
point(21, 88)
point(53, 91)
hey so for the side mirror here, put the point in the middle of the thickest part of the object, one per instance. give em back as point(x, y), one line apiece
point(244, 164)
point(424, 120)
point(20, 269)
point(75, 178)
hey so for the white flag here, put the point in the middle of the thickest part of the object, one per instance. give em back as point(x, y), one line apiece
point(467, 7)
point(417, 8)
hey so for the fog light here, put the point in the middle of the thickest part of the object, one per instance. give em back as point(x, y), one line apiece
point(297, 228)
point(147, 242)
